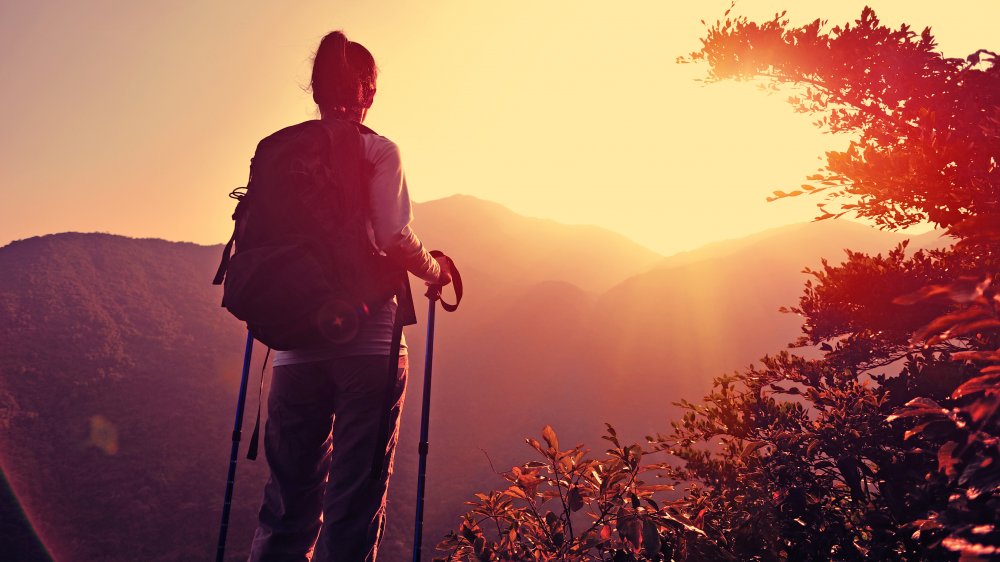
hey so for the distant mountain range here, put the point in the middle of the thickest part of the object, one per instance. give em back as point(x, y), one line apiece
point(119, 370)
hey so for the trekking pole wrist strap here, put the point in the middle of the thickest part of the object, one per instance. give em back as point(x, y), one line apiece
point(456, 282)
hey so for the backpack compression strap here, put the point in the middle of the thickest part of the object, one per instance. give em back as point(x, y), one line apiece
point(227, 252)
point(238, 194)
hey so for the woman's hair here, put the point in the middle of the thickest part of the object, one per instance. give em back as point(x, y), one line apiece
point(343, 76)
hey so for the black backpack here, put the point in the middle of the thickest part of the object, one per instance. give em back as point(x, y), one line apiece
point(304, 272)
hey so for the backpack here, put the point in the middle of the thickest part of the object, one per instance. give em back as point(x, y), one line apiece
point(304, 272)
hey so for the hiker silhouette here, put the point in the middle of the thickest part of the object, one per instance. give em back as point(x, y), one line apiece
point(334, 405)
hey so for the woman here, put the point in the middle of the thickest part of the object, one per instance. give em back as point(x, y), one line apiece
point(327, 405)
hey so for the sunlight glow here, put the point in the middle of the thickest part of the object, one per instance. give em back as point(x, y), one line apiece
point(565, 110)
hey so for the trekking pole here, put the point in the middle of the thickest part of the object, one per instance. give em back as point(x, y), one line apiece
point(433, 295)
point(237, 430)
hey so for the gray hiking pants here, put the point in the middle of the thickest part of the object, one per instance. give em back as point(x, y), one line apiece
point(321, 502)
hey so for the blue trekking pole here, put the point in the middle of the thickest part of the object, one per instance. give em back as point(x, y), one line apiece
point(237, 430)
point(433, 295)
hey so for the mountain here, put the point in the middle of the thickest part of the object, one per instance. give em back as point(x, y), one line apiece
point(934, 239)
point(796, 237)
point(512, 250)
point(670, 330)
point(118, 369)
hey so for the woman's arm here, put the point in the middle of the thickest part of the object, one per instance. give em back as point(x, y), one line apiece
point(391, 212)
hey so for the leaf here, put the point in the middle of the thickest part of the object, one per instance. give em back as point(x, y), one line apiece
point(751, 448)
point(941, 325)
point(469, 532)
point(918, 407)
point(575, 499)
point(946, 462)
point(479, 547)
point(566, 462)
point(983, 408)
point(516, 492)
point(976, 468)
point(549, 435)
point(923, 293)
point(923, 403)
point(849, 469)
point(812, 446)
point(631, 531)
point(978, 384)
point(596, 477)
point(974, 327)
point(635, 453)
point(976, 355)
point(916, 430)
point(925, 525)
point(650, 539)
point(611, 429)
point(657, 488)
point(548, 495)
point(684, 522)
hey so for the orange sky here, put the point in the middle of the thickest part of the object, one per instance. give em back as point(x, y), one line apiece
point(137, 119)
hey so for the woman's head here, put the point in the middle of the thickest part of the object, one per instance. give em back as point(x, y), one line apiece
point(343, 77)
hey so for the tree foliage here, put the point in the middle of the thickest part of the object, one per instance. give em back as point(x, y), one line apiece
point(927, 127)
point(886, 446)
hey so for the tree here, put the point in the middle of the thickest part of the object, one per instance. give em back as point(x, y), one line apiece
point(888, 446)
point(926, 148)
point(928, 127)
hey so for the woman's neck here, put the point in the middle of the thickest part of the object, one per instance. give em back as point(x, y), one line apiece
point(355, 115)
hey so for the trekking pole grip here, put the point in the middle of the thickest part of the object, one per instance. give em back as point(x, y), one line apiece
point(434, 291)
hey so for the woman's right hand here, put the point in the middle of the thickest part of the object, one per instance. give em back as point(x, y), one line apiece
point(445, 276)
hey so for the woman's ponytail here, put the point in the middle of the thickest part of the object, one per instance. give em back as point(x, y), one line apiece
point(343, 76)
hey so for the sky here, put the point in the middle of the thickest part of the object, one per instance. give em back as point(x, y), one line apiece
point(138, 118)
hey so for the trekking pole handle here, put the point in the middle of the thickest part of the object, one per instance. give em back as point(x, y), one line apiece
point(434, 291)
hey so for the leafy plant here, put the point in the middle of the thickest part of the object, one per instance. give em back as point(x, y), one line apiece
point(569, 506)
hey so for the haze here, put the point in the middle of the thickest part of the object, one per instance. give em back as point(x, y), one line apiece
point(137, 119)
